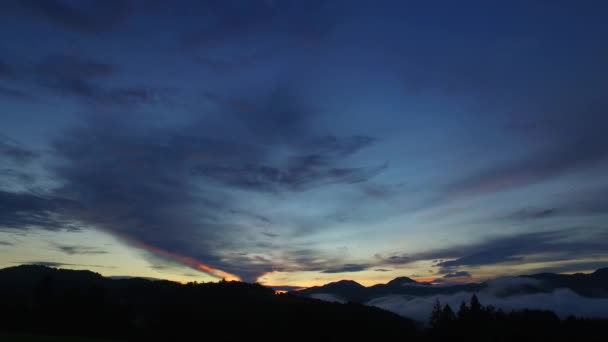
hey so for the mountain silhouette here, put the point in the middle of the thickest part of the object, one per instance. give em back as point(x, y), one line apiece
point(588, 285)
point(401, 281)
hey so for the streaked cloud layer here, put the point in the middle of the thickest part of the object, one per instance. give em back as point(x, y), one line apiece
point(295, 143)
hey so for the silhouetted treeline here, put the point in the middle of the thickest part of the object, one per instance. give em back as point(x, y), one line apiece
point(475, 322)
point(47, 301)
point(41, 300)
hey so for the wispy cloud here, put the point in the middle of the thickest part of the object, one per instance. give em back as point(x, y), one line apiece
point(61, 264)
point(72, 250)
point(347, 268)
point(24, 211)
point(459, 274)
point(15, 152)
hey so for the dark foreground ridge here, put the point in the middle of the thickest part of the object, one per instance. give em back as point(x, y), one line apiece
point(45, 301)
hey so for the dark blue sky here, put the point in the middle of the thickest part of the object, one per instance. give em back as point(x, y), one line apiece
point(299, 142)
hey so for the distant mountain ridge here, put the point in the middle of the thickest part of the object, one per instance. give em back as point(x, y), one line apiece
point(589, 285)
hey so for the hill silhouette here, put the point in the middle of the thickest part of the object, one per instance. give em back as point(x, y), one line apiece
point(43, 300)
point(38, 301)
point(589, 285)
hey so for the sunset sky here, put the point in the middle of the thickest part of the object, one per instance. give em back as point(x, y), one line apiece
point(298, 142)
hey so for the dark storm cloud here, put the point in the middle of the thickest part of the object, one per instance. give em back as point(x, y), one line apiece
point(75, 249)
point(347, 268)
point(83, 17)
point(24, 211)
point(459, 274)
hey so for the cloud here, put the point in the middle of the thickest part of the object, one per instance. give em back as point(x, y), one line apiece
point(555, 245)
point(557, 119)
point(459, 274)
point(581, 202)
point(15, 152)
point(61, 264)
point(393, 259)
point(281, 119)
point(272, 235)
point(77, 77)
point(347, 268)
point(533, 214)
point(514, 248)
point(16, 176)
point(570, 146)
point(303, 173)
point(72, 250)
point(46, 263)
point(80, 77)
point(5, 243)
point(170, 191)
point(91, 17)
point(24, 211)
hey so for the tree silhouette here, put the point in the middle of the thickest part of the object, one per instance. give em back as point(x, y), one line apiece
point(435, 320)
point(463, 311)
point(475, 306)
point(447, 314)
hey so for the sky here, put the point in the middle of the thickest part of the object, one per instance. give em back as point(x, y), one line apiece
point(295, 143)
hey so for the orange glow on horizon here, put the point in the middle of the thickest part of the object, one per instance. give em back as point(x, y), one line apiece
point(212, 271)
point(425, 279)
